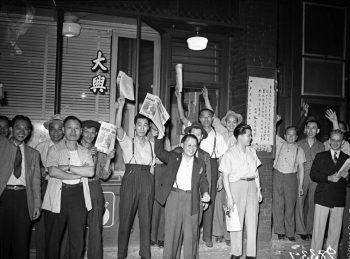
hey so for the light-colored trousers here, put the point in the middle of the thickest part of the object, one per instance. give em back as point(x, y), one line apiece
point(304, 216)
point(320, 224)
point(245, 195)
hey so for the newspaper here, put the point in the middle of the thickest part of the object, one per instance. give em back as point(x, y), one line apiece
point(126, 86)
point(106, 137)
point(153, 109)
point(344, 170)
point(232, 219)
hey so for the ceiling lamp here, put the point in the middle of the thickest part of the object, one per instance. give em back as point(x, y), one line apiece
point(197, 42)
point(70, 27)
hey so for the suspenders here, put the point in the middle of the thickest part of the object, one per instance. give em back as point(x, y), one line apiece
point(214, 147)
point(133, 152)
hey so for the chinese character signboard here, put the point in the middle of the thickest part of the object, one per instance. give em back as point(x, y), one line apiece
point(261, 112)
point(99, 81)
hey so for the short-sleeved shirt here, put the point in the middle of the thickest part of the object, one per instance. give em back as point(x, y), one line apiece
point(288, 156)
point(59, 155)
point(310, 152)
point(214, 144)
point(43, 148)
point(345, 147)
point(141, 153)
point(238, 164)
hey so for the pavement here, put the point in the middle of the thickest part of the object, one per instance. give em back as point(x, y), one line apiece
point(276, 249)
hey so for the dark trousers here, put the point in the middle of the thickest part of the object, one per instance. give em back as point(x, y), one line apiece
point(72, 216)
point(344, 249)
point(285, 192)
point(158, 215)
point(136, 195)
point(40, 228)
point(95, 221)
point(180, 227)
point(15, 225)
point(208, 214)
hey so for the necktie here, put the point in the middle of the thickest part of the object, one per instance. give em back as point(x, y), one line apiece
point(335, 158)
point(17, 168)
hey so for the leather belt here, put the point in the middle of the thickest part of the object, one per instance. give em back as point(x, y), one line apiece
point(15, 187)
point(66, 185)
point(248, 179)
point(180, 190)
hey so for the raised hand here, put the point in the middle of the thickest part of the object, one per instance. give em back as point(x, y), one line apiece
point(331, 115)
point(305, 109)
point(205, 92)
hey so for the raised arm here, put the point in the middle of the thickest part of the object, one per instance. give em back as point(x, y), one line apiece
point(120, 130)
point(180, 108)
point(332, 117)
point(302, 120)
point(206, 98)
point(159, 150)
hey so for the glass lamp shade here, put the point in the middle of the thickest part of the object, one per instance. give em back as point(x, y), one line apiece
point(197, 43)
point(71, 29)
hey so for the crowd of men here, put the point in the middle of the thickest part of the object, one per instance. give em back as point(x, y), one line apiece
point(176, 193)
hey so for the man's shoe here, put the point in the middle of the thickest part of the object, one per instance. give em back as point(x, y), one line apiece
point(281, 236)
point(219, 239)
point(153, 243)
point(160, 243)
point(250, 257)
point(304, 237)
point(234, 257)
point(209, 244)
point(292, 239)
point(228, 242)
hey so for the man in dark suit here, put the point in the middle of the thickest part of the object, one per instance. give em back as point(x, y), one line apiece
point(330, 193)
point(20, 192)
point(179, 187)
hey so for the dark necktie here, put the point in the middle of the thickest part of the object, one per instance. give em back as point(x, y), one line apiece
point(335, 158)
point(17, 168)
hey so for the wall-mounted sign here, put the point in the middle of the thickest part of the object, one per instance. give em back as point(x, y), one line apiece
point(99, 81)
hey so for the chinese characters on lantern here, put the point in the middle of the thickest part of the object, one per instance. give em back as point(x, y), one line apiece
point(99, 81)
point(261, 112)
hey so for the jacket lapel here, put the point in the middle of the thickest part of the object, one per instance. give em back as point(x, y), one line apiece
point(27, 160)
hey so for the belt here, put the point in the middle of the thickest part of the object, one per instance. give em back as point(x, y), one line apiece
point(15, 187)
point(179, 190)
point(248, 179)
point(65, 185)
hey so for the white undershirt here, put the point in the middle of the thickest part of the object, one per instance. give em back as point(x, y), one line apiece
point(74, 160)
point(184, 175)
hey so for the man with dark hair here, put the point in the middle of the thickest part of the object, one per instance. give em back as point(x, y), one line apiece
point(304, 218)
point(181, 184)
point(330, 193)
point(20, 198)
point(215, 146)
point(4, 126)
point(55, 127)
point(137, 189)
point(102, 171)
point(67, 198)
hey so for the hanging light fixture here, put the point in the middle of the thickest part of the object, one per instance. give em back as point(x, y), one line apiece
point(70, 27)
point(197, 42)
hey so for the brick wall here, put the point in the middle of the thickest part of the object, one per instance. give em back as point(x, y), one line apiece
point(255, 46)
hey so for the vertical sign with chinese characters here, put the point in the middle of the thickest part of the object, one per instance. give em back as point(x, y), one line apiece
point(99, 81)
point(261, 112)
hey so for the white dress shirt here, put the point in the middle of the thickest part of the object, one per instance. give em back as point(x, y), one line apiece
point(184, 174)
point(22, 179)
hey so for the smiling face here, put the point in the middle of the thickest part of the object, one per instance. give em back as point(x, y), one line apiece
point(336, 141)
point(4, 128)
point(89, 134)
point(20, 131)
point(231, 123)
point(72, 130)
point(141, 127)
point(56, 130)
point(291, 135)
point(206, 118)
point(189, 146)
